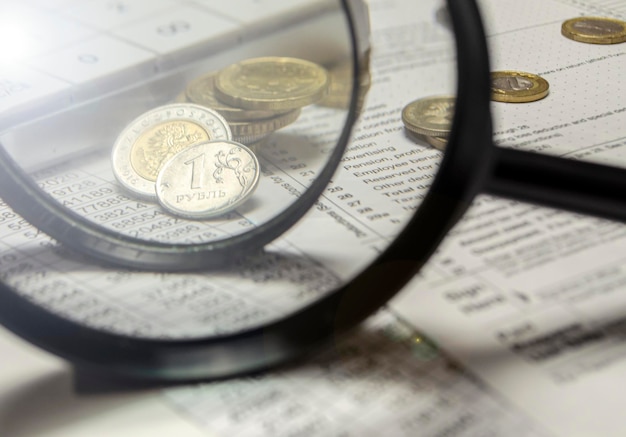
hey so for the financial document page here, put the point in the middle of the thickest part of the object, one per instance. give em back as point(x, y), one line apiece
point(386, 376)
point(526, 298)
point(532, 299)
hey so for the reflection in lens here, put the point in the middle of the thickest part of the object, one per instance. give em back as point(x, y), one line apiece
point(222, 147)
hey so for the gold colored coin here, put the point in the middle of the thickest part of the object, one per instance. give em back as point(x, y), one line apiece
point(202, 92)
point(271, 83)
point(595, 30)
point(161, 142)
point(517, 87)
point(438, 143)
point(143, 147)
point(430, 116)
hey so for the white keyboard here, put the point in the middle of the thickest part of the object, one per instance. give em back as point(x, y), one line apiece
point(60, 53)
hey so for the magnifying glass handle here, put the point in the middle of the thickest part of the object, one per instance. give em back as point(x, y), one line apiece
point(578, 186)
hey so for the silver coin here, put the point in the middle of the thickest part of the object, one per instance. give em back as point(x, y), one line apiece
point(208, 179)
point(153, 138)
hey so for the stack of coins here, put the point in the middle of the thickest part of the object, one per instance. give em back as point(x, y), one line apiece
point(191, 156)
point(430, 119)
point(259, 96)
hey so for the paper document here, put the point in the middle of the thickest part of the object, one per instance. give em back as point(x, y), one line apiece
point(385, 378)
point(532, 299)
point(529, 300)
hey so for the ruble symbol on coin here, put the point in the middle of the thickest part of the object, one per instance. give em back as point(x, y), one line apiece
point(208, 179)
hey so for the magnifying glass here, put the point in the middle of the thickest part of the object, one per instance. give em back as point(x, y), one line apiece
point(197, 213)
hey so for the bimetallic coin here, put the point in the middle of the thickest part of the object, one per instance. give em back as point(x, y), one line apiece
point(154, 137)
point(595, 30)
point(202, 92)
point(208, 179)
point(162, 141)
point(430, 116)
point(517, 87)
point(271, 83)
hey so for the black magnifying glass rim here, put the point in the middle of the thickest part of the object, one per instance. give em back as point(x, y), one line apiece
point(462, 173)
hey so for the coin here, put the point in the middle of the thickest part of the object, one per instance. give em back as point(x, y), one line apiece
point(155, 136)
point(208, 179)
point(202, 92)
point(595, 30)
point(517, 87)
point(430, 116)
point(438, 143)
point(271, 83)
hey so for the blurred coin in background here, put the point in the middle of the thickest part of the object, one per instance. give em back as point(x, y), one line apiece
point(595, 30)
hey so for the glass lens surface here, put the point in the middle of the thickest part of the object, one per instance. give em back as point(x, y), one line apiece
point(183, 130)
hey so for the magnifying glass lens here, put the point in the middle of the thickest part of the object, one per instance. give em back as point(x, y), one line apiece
point(201, 152)
point(209, 187)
